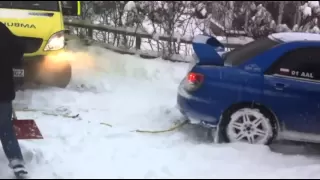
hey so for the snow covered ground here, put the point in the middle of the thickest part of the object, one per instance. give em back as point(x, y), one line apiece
point(131, 93)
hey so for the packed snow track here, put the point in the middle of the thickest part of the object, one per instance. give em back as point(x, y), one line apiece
point(130, 93)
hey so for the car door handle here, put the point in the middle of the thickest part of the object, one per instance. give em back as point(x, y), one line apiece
point(280, 86)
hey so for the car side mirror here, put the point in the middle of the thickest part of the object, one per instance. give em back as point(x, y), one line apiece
point(71, 8)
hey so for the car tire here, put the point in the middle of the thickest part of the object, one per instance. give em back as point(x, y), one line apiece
point(247, 124)
point(60, 78)
point(64, 77)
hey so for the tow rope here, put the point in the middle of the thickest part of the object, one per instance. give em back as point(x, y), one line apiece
point(179, 125)
point(69, 115)
point(65, 115)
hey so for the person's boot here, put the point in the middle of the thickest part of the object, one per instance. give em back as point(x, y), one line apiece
point(19, 169)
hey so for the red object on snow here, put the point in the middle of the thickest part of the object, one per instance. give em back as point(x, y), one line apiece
point(26, 129)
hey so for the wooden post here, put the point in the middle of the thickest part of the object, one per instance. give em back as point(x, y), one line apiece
point(138, 42)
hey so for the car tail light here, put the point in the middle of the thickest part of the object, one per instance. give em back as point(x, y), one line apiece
point(194, 81)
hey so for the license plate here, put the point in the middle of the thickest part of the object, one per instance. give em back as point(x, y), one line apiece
point(18, 72)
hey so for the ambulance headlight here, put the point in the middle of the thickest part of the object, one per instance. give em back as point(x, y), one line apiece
point(55, 42)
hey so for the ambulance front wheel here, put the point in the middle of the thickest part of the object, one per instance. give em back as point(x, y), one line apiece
point(60, 77)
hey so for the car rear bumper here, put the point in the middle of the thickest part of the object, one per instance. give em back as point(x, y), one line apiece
point(197, 111)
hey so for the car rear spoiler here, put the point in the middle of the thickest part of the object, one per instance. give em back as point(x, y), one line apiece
point(207, 49)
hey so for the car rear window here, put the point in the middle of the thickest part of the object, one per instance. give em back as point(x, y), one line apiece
point(248, 51)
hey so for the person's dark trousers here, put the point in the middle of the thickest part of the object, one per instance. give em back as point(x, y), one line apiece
point(10, 142)
point(8, 137)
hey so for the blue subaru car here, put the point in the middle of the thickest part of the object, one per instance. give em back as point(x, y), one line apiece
point(266, 90)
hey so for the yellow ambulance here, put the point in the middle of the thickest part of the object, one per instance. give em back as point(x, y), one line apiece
point(40, 25)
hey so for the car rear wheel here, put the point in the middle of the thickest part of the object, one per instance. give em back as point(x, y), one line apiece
point(250, 125)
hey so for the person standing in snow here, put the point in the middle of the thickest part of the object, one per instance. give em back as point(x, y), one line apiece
point(11, 55)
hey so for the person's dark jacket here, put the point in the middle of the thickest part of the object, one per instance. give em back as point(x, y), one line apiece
point(11, 55)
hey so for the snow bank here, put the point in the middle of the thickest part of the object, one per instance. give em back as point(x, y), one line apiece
point(136, 99)
point(95, 62)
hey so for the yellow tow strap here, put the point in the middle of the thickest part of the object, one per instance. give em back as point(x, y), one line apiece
point(49, 114)
point(179, 125)
point(154, 131)
point(162, 131)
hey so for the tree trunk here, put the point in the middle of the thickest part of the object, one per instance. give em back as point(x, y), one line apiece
point(298, 21)
point(281, 8)
point(246, 19)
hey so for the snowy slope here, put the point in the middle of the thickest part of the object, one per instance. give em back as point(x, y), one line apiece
point(132, 93)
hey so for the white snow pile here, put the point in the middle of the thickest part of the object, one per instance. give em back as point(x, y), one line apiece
point(262, 22)
point(311, 10)
point(130, 6)
point(306, 10)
